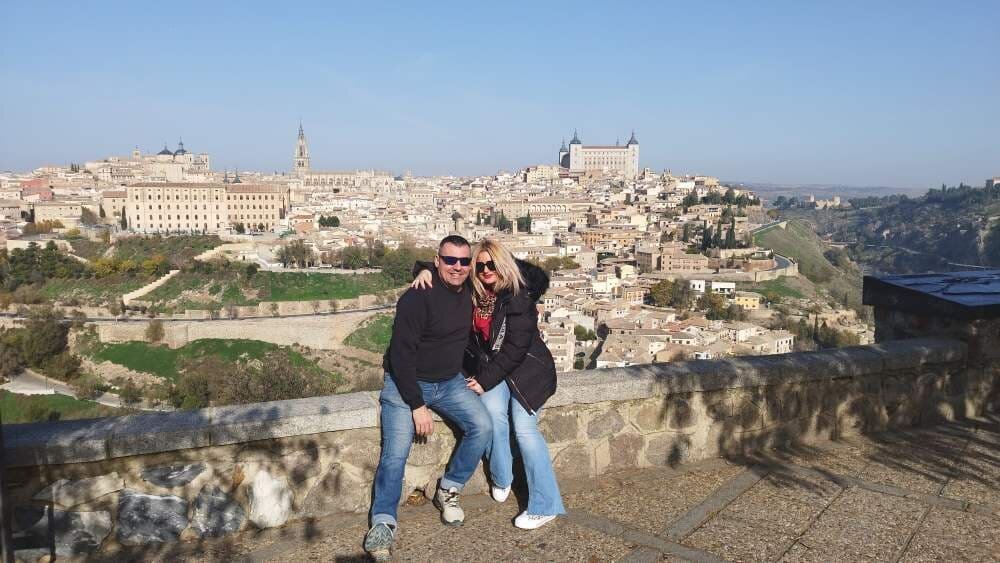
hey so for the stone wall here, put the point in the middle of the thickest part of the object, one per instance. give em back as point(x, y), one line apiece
point(322, 332)
point(184, 475)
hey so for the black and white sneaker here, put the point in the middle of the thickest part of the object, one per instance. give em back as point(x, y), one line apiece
point(447, 502)
point(378, 541)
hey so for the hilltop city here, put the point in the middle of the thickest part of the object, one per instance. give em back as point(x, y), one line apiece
point(646, 267)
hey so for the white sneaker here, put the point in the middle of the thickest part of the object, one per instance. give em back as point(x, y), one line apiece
point(527, 521)
point(499, 494)
point(447, 502)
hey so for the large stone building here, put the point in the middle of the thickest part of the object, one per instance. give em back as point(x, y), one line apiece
point(164, 166)
point(614, 160)
point(334, 181)
point(208, 207)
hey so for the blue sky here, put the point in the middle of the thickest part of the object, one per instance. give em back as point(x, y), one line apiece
point(863, 93)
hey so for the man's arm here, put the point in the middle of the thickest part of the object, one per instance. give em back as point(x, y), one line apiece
point(411, 319)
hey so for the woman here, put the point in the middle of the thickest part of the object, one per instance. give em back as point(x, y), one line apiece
point(514, 373)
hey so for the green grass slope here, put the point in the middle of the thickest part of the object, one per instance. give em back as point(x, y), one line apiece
point(165, 362)
point(799, 242)
point(16, 408)
point(373, 335)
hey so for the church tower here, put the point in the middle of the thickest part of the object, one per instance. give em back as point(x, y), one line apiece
point(301, 154)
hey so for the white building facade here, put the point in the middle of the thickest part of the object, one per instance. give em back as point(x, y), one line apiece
point(615, 160)
point(204, 208)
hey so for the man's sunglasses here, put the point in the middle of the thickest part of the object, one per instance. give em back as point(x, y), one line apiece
point(483, 266)
point(452, 260)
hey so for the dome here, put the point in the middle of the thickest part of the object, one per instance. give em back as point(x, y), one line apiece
point(180, 149)
point(165, 152)
point(576, 139)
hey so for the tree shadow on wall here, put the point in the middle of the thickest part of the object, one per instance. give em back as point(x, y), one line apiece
point(240, 447)
point(782, 413)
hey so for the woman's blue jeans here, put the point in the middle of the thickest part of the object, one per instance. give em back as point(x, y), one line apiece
point(543, 490)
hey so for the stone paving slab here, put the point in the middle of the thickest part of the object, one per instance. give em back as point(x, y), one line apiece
point(943, 529)
point(874, 524)
point(649, 505)
point(735, 540)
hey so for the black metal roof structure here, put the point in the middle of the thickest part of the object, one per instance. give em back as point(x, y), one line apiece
point(972, 294)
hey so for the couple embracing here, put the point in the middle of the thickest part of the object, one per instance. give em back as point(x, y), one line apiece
point(469, 349)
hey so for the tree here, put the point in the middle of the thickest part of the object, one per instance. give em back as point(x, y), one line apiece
point(11, 362)
point(524, 223)
point(87, 386)
point(731, 236)
point(63, 366)
point(662, 293)
point(297, 254)
point(582, 334)
point(240, 228)
point(124, 220)
point(130, 393)
point(352, 258)
point(554, 263)
point(503, 223)
point(689, 201)
point(729, 197)
point(455, 218)
point(714, 305)
point(44, 335)
point(331, 221)
point(154, 331)
point(100, 211)
point(706, 239)
point(88, 217)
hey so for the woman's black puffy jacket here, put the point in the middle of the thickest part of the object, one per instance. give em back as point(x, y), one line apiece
point(516, 350)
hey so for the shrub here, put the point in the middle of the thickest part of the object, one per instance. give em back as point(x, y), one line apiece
point(63, 366)
point(88, 386)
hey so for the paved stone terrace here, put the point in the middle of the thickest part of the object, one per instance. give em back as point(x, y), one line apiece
point(921, 495)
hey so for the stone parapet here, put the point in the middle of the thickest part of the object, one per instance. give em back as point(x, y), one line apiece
point(219, 470)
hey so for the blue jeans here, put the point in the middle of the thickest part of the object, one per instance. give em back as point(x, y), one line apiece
point(452, 400)
point(543, 491)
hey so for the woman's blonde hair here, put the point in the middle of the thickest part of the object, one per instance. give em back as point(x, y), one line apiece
point(508, 273)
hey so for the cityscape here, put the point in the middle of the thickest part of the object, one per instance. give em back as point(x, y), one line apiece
point(646, 267)
point(770, 340)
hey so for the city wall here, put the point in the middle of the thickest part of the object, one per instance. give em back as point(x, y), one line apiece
point(152, 478)
point(322, 332)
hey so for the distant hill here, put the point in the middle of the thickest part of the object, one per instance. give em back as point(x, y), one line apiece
point(945, 229)
point(770, 191)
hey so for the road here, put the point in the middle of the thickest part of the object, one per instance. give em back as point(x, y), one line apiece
point(31, 383)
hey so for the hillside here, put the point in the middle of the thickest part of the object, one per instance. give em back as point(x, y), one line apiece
point(840, 281)
point(946, 229)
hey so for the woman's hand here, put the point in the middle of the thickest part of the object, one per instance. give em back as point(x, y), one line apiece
point(423, 280)
point(475, 386)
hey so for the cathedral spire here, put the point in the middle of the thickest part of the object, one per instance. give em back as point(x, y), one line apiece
point(300, 163)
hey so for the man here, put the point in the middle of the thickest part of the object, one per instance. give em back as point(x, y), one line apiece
point(424, 371)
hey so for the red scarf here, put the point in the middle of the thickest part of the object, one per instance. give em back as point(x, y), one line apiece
point(482, 315)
